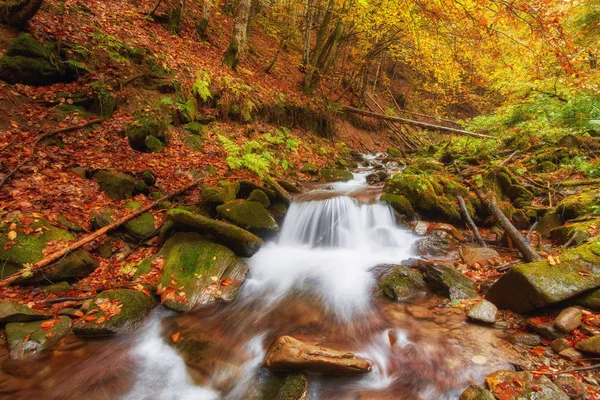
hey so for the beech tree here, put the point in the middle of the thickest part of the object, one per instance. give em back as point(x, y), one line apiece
point(17, 12)
point(239, 40)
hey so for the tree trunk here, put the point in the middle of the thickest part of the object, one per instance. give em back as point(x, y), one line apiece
point(18, 13)
point(175, 15)
point(202, 29)
point(308, 18)
point(238, 44)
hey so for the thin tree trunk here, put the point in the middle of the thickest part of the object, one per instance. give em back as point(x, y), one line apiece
point(307, 35)
point(202, 30)
point(238, 44)
point(469, 221)
point(377, 74)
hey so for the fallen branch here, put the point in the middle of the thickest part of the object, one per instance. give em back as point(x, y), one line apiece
point(585, 182)
point(509, 159)
point(45, 135)
point(63, 299)
point(469, 221)
point(566, 371)
point(424, 125)
point(58, 255)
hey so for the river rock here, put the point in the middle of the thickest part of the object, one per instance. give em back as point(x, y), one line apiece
point(242, 242)
point(25, 339)
point(523, 385)
point(333, 175)
point(142, 227)
point(114, 311)
point(14, 312)
point(568, 320)
point(288, 353)
point(399, 204)
point(419, 312)
point(476, 393)
point(524, 339)
point(249, 215)
point(308, 168)
point(579, 232)
point(450, 282)
point(572, 386)
point(438, 243)
point(483, 311)
point(402, 283)
point(544, 328)
point(560, 344)
point(288, 186)
point(589, 345)
point(198, 271)
point(118, 186)
point(281, 194)
point(285, 387)
point(527, 287)
point(477, 255)
point(578, 205)
point(225, 192)
point(571, 354)
point(260, 197)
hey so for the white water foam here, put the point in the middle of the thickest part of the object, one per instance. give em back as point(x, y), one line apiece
point(355, 185)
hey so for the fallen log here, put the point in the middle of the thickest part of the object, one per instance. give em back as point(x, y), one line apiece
point(420, 124)
point(45, 135)
point(58, 255)
point(469, 221)
point(584, 182)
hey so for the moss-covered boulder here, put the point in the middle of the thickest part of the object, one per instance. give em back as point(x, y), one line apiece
point(225, 192)
point(115, 311)
point(29, 62)
point(288, 186)
point(26, 339)
point(281, 194)
point(148, 133)
point(27, 249)
point(449, 282)
point(260, 197)
point(14, 312)
point(399, 203)
point(578, 205)
point(198, 271)
point(148, 178)
point(247, 187)
point(577, 233)
point(310, 169)
point(527, 287)
point(476, 393)
point(283, 386)
point(249, 215)
point(101, 218)
point(506, 186)
point(118, 186)
point(428, 164)
point(334, 175)
point(589, 299)
point(142, 227)
point(242, 242)
point(394, 152)
point(402, 283)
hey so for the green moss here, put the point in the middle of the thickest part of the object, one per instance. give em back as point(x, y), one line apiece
point(227, 191)
point(534, 285)
point(394, 152)
point(135, 306)
point(198, 265)
point(429, 164)
point(284, 387)
point(250, 215)
point(450, 282)
point(399, 203)
point(118, 186)
point(63, 221)
point(278, 208)
point(103, 217)
point(259, 196)
point(578, 205)
point(141, 188)
point(61, 287)
point(104, 102)
point(231, 57)
point(148, 178)
point(141, 227)
point(506, 186)
point(26, 45)
point(579, 231)
point(153, 144)
point(288, 186)
point(308, 168)
point(145, 126)
point(333, 175)
point(242, 242)
point(21, 335)
point(402, 283)
point(14, 312)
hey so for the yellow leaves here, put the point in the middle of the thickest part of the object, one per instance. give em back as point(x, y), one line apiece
point(12, 235)
point(27, 271)
point(553, 260)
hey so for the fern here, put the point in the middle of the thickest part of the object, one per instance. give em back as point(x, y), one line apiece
point(229, 145)
point(201, 85)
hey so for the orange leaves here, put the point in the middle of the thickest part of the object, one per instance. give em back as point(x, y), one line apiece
point(176, 337)
point(49, 324)
point(537, 351)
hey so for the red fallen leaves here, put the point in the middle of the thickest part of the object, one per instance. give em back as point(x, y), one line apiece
point(176, 337)
point(49, 324)
point(537, 351)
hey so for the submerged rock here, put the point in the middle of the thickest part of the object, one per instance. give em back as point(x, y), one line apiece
point(402, 283)
point(333, 175)
point(198, 271)
point(476, 393)
point(14, 312)
point(288, 353)
point(116, 311)
point(530, 286)
point(249, 215)
point(523, 385)
point(450, 282)
point(242, 242)
point(26, 339)
point(483, 311)
point(284, 387)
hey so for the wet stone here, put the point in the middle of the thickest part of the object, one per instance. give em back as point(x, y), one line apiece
point(572, 386)
point(420, 312)
point(477, 255)
point(524, 339)
point(476, 393)
point(589, 345)
point(568, 320)
point(560, 344)
point(484, 311)
point(545, 329)
point(571, 354)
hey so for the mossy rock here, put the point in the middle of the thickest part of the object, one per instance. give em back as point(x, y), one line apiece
point(62, 220)
point(394, 152)
point(226, 192)
point(281, 194)
point(578, 205)
point(578, 231)
point(260, 197)
point(60, 287)
point(310, 169)
point(284, 387)
point(334, 175)
point(26, 339)
point(147, 129)
point(28, 62)
point(103, 217)
point(104, 102)
point(402, 283)
point(246, 188)
point(148, 178)
point(29, 249)
point(242, 242)
point(450, 282)
point(429, 164)
point(288, 186)
point(15, 312)
point(134, 306)
point(141, 188)
point(142, 227)
point(506, 186)
point(201, 267)
point(399, 204)
point(589, 299)
point(278, 209)
point(530, 286)
point(118, 186)
point(250, 215)
point(476, 393)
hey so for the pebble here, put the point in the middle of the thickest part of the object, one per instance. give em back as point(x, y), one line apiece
point(484, 311)
point(560, 344)
point(568, 320)
point(571, 354)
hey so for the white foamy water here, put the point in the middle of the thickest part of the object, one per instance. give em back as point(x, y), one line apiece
point(328, 247)
point(358, 183)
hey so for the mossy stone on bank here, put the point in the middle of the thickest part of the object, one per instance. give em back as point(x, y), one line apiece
point(142, 227)
point(26, 339)
point(283, 386)
point(103, 217)
point(147, 130)
point(288, 186)
point(242, 242)
point(310, 169)
point(199, 267)
point(260, 197)
point(578, 205)
point(249, 215)
point(399, 204)
point(225, 192)
point(450, 282)
point(15, 312)
point(527, 287)
point(402, 283)
point(133, 305)
point(506, 186)
point(118, 186)
point(334, 175)
point(577, 233)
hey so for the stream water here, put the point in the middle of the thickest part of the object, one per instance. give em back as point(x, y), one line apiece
point(315, 281)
